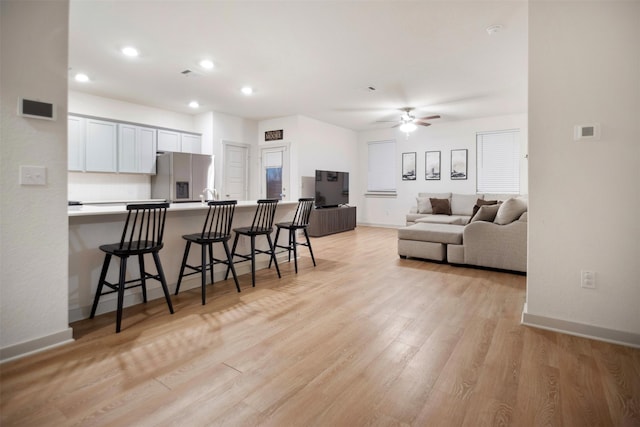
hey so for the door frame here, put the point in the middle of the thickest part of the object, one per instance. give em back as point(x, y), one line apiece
point(286, 169)
point(226, 143)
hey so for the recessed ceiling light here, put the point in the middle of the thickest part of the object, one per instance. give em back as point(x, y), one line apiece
point(194, 104)
point(81, 77)
point(206, 64)
point(247, 90)
point(130, 51)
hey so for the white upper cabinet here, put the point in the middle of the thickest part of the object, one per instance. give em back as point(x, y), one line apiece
point(75, 151)
point(190, 143)
point(101, 146)
point(136, 149)
point(168, 140)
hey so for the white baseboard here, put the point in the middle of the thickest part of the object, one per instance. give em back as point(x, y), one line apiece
point(37, 345)
point(372, 224)
point(613, 336)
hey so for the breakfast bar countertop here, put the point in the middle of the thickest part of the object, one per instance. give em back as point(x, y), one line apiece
point(110, 208)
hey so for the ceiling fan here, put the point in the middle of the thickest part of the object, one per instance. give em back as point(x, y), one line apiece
point(409, 122)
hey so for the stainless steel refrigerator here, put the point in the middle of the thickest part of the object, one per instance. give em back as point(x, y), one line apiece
point(182, 177)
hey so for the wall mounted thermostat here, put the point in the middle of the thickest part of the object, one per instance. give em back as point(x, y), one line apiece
point(36, 109)
point(586, 132)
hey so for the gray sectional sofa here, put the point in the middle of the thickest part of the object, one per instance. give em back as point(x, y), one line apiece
point(495, 237)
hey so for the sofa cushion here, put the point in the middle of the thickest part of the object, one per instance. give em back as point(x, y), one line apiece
point(440, 206)
point(462, 204)
point(486, 213)
point(437, 233)
point(510, 210)
point(479, 203)
point(442, 219)
point(424, 205)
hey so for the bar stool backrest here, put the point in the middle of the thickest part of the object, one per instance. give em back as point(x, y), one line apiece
point(217, 224)
point(265, 214)
point(144, 227)
point(303, 211)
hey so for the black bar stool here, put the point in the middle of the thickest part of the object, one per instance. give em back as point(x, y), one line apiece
point(262, 225)
point(216, 229)
point(142, 234)
point(300, 222)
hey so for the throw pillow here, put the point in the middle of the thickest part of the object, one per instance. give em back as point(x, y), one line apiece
point(481, 202)
point(424, 205)
point(486, 213)
point(510, 210)
point(440, 206)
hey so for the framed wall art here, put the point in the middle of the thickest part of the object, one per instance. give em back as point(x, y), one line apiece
point(459, 164)
point(432, 165)
point(409, 166)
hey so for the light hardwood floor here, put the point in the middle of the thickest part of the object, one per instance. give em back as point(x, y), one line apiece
point(364, 338)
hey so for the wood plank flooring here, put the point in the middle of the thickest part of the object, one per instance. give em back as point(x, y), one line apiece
point(364, 338)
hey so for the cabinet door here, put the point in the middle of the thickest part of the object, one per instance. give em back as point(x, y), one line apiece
point(128, 156)
point(101, 146)
point(146, 138)
point(190, 143)
point(168, 140)
point(75, 146)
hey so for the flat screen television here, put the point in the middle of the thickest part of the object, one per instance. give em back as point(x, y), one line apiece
point(332, 188)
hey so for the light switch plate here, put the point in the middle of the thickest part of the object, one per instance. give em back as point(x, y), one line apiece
point(33, 175)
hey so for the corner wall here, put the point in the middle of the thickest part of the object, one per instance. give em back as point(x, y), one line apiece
point(34, 227)
point(584, 68)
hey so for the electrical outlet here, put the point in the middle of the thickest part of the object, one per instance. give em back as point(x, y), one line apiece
point(588, 279)
point(33, 175)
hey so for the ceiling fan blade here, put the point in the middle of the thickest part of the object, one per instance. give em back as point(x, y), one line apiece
point(386, 121)
point(429, 118)
point(422, 123)
point(395, 126)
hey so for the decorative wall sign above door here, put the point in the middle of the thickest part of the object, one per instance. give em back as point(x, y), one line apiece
point(273, 135)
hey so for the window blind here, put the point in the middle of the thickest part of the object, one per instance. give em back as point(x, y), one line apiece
point(498, 162)
point(381, 175)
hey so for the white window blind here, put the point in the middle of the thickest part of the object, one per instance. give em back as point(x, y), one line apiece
point(498, 158)
point(381, 176)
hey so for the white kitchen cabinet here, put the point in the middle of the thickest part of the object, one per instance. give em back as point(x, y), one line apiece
point(190, 143)
point(168, 140)
point(136, 149)
point(101, 146)
point(75, 149)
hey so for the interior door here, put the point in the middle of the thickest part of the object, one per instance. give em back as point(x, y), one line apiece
point(275, 172)
point(236, 160)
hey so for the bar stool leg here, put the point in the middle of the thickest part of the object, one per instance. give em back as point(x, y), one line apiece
point(253, 261)
point(306, 234)
point(103, 276)
point(123, 270)
point(273, 255)
point(184, 263)
point(143, 277)
point(230, 264)
point(211, 260)
point(233, 252)
point(163, 280)
point(294, 244)
point(203, 272)
point(276, 243)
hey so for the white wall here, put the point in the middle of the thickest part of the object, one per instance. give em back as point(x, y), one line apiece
point(34, 227)
point(315, 145)
point(442, 136)
point(584, 67)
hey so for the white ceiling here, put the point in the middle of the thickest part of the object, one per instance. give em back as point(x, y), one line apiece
point(314, 58)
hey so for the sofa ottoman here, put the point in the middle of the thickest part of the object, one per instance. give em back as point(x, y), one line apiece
point(428, 240)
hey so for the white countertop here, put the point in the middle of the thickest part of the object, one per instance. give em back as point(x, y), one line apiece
point(110, 208)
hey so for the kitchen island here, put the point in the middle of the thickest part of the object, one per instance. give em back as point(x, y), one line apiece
point(92, 225)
